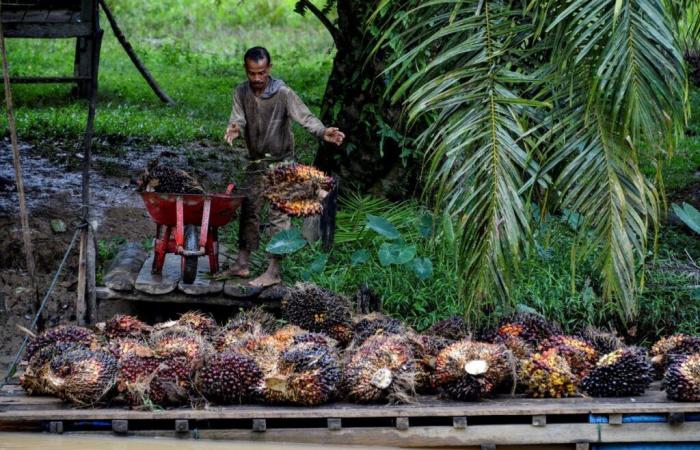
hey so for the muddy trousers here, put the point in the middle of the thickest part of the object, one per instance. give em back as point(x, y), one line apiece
point(251, 211)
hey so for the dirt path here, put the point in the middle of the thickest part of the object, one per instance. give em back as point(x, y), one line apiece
point(53, 189)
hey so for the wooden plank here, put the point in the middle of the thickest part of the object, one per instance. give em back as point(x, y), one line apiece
point(259, 425)
point(47, 30)
point(239, 288)
point(402, 423)
point(59, 16)
point(539, 421)
point(500, 435)
point(182, 426)
point(106, 294)
point(159, 284)
point(335, 424)
point(122, 272)
point(203, 284)
point(459, 422)
point(36, 16)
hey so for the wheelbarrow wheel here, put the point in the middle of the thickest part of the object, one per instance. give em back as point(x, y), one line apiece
point(189, 269)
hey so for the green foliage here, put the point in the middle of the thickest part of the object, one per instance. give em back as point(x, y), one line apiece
point(689, 215)
point(286, 242)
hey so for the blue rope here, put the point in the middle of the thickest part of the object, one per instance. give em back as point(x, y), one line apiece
point(13, 367)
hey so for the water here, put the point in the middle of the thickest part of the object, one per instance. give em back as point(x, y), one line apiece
point(35, 441)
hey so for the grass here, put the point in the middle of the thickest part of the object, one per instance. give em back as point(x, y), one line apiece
point(193, 49)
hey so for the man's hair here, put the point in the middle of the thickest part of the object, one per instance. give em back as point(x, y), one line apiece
point(256, 54)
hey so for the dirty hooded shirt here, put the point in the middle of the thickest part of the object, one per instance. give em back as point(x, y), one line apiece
point(265, 121)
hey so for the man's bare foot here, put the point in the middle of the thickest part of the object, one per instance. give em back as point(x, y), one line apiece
point(235, 271)
point(269, 278)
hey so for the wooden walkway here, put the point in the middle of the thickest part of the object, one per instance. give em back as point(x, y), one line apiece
point(504, 421)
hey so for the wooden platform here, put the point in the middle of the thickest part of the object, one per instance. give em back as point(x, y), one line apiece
point(429, 423)
point(129, 278)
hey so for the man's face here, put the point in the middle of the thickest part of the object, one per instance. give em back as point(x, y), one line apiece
point(258, 73)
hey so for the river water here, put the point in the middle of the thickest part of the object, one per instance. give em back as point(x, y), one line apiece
point(39, 441)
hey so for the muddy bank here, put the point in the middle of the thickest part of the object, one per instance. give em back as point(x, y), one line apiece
point(53, 186)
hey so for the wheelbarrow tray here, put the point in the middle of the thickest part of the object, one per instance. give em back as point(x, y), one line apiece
point(163, 210)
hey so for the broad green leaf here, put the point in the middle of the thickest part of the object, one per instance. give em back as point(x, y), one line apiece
point(359, 257)
point(319, 264)
point(396, 253)
point(286, 242)
point(382, 226)
point(425, 225)
point(423, 267)
point(689, 215)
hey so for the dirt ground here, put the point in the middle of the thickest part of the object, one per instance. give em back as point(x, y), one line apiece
point(52, 181)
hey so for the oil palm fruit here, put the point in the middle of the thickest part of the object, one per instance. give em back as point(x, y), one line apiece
point(682, 378)
point(201, 323)
point(319, 310)
point(368, 325)
point(256, 315)
point(161, 177)
point(135, 375)
point(603, 341)
point(307, 374)
point(296, 189)
point(284, 337)
point(227, 378)
point(122, 347)
point(381, 369)
point(530, 327)
point(62, 334)
point(426, 349)
point(171, 382)
point(470, 370)
point(179, 341)
point(126, 326)
point(33, 380)
point(82, 376)
point(580, 355)
point(677, 344)
point(454, 328)
point(623, 372)
point(548, 374)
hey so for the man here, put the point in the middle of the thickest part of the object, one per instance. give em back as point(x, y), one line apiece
point(262, 109)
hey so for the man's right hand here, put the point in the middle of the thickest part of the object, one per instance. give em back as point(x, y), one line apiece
point(232, 132)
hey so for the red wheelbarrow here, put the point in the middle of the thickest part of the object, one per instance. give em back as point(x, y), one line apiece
point(181, 214)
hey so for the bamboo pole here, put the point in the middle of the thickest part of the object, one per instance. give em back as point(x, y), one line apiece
point(24, 216)
point(132, 55)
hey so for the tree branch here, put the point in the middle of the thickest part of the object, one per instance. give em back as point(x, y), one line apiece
point(335, 33)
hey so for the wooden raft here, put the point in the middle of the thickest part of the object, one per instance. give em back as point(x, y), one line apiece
point(505, 421)
point(129, 278)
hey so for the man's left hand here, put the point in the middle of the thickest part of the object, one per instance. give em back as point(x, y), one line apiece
point(333, 135)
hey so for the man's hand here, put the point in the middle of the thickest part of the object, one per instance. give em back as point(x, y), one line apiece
point(232, 132)
point(333, 135)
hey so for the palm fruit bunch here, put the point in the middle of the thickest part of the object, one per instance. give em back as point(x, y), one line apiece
point(470, 370)
point(623, 372)
point(454, 328)
point(307, 374)
point(33, 380)
point(179, 341)
point(678, 344)
point(425, 349)
point(62, 334)
point(160, 177)
point(580, 355)
point(171, 382)
point(245, 325)
point(201, 323)
point(135, 375)
point(682, 378)
point(125, 326)
point(381, 369)
point(122, 347)
point(82, 376)
point(603, 341)
point(522, 332)
point(296, 189)
point(228, 377)
point(368, 325)
point(318, 339)
point(284, 337)
point(320, 310)
point(548, 374)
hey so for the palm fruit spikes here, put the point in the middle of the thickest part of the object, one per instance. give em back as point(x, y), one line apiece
point(381, 369)
point(319, 310)
point(159, 177)
point(170, 382)
point(83, 377)
point(547, 374)
point(126, 326)
point(122, 347)
point(33, 380)
point(678, 344)
point(135, 376)
point(201, 323)
point(426, 349)
point(454, 328)
point(227, 378)
point(580, 355)
point(372, 324)
point(603, 341)
point(531, 327)
point(307, 374)
point(468, 370)
point(296, 189)
point(682, 379)
point(179, 341)
point(62, 334)
point(621, 373)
